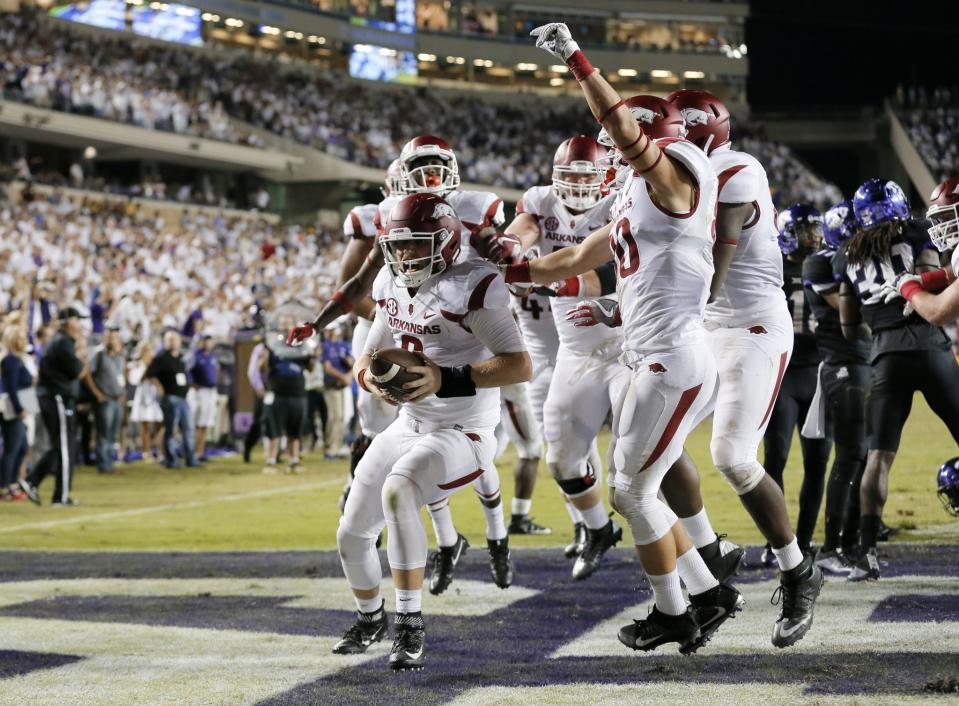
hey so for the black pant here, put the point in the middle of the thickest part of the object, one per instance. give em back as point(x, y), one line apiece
point(317, 405)
point(896, 377)
point(792, 405)
point(845, 387)
point(59, 418)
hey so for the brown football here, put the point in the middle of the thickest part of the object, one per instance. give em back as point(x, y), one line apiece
point(388, 369)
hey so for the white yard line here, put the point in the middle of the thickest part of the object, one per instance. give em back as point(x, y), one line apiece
point(170, 506)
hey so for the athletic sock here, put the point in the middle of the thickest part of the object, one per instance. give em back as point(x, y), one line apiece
point(520, 506)
point(369, 605)
point(668, 593)
point(790, 556)
point(833, 532)
point(443, 525)
point(574, 514)
point(694, 573)
point(495, 527)
point(595, 517)
point(409, 601)
point(870, 531)
point(699, 529)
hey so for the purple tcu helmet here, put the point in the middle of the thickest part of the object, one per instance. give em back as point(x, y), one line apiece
point(878, 201)
point(793, 218)
point(838, 224)
point(947, 484)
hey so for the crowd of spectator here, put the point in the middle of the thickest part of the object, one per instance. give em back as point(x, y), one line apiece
point(116, 287)
point(501, 145)
point(932, 120)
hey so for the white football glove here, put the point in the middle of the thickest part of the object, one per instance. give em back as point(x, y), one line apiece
point(890, 291)
point(595, 312)
point(556, 39)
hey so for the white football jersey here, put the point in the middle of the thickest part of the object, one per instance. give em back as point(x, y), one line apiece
point(664, 260)
point(436, 322)
point(360, 223)
point(535, 321)
point(754, 283)
point(559, 228)
point(475, 209)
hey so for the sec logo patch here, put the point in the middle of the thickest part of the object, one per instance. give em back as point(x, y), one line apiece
point(551, 223)
point(392, 307)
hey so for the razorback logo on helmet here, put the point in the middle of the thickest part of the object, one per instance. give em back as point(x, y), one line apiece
point(695, 116)
point(644, 114)
point(443, 209)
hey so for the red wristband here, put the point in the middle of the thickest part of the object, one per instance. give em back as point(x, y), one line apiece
point(342, 301)
point(570, 287)
point(518, 273)
point(935, 281)
point(360, 376)
point(579, 65)
point(910, 289)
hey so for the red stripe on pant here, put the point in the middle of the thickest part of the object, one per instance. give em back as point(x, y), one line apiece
point(685, 402)
point(511, 409)
point(468, 478)
point(779, 382)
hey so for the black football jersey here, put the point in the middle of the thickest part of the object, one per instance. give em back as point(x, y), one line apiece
point(805, 351)
point(892, 331)
point(819, 280)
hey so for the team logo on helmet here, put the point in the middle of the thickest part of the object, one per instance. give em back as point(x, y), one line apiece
point(836, 217)
point(551, 223)
point(644, 114)
point(392, 307)
point(695, 116)
point(443, 209)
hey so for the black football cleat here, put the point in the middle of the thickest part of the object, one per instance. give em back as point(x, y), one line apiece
point(368, 628)
point(500, 564)
point(30, 491)
point(410, 642)
point(767, 560)
point(798, 590)
point(658, 629)
point(522, 524)
point(866, 568)
point(598, 542)
point(834, 562)
point(443, 563)
point(722, 558)
point(711, 609)
point(575, 548)
point(885, 532)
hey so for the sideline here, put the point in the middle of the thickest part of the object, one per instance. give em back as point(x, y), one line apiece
point(170, 506)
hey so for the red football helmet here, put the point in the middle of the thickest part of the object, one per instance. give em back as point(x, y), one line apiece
point(707, 119)
point(421, 240)
point(657, 118)
point(428, 165)
point(393, 183)
point(944, 214)
point(578, 172)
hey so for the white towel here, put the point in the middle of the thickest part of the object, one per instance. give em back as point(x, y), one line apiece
point(815, 425)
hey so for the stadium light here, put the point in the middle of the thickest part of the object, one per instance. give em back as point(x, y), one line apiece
point(426, 57)
point(523, 66)
point(556, 81)
point(233, 22)
point(267, 29)
point(558, 69)
point(694, 74)
point(660, 73)
point(456, 60)
point(627, 73)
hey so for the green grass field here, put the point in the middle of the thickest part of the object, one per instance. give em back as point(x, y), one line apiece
point(232, 506)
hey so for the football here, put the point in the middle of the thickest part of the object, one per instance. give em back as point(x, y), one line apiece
point(388, 368)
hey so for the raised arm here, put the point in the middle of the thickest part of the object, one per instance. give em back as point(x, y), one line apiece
point(673, 186)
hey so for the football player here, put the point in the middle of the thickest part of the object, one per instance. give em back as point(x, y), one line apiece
point(800, 233)
point(908, 353)
point(427, 164)
point(588, 374)
point(751, 338)
point(922, 291)
point(660, 235)
point(844, 382)
point(457, 316)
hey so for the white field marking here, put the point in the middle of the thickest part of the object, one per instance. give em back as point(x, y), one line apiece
point(141, 664)
point(840, 623)
point(673, 692)
point(463, 598)
point(103, 516)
